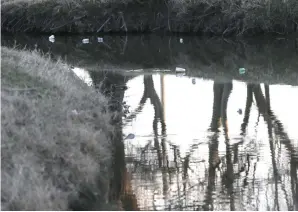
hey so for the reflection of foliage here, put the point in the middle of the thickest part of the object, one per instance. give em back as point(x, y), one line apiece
point(201, 57)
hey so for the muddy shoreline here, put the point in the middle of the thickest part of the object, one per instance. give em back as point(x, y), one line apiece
point(153, 16)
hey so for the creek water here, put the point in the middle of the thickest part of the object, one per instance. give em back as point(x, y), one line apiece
point(203, 124)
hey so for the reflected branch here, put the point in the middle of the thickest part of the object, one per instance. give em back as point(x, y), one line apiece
point(265, 110)
point(277, 126)
point(230, 176)
point(249, 100)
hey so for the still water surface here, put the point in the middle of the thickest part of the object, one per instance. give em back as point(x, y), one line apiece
point(209, 138)
point(212, 145)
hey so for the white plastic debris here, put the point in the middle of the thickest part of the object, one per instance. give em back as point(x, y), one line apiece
point(181, 40)
point(86, 40)
point(52, 38)
point(130, 136)
point(99, 40)
point(180, 69)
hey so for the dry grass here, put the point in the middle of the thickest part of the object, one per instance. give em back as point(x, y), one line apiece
point(48, 152)
point(61, 2)
point(215, 17)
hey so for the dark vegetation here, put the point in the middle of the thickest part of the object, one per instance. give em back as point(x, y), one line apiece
point(208, 17)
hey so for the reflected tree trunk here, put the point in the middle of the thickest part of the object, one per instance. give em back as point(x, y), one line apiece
point(213, 156)
point(113, 87)
point(230, 176)
point(217, 95)
point(264, 107)
point(221, 92)
point(262, 104)
point(277, 126)
point(224, 104)
point(249, 100)
point(150, 93)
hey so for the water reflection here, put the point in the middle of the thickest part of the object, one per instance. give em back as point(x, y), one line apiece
point(265, 60)
point(239, 162)
point(194, 149)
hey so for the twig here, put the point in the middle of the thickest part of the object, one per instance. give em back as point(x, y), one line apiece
point(107, 45)
point(169, 24)
point(19, 89)
point(124, 47)
point(17, 23)
point(48, 23)
point(69, 22)
point(124, 23)
point(103, 24)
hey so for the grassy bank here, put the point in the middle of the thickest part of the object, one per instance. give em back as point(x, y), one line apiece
point(55, 148)
point(211, 17)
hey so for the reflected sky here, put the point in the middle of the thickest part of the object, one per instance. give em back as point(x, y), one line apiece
point(187, 111)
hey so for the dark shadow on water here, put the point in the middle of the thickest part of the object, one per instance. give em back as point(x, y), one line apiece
point(266, 60)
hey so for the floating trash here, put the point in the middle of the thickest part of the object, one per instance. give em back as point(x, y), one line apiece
point(240, 111)
point(181, 40)
point(86, 40)
point(193, 81)
point(180, 69)
point(99, 40)
point(52, 38)
point(130, 136)
point(242, 70)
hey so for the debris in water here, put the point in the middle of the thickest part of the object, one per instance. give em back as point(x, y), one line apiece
point(181, 40)
point(99, 40)
point(240, 111)
point(52, 38)
point(242, 70)
point(130, 136)
point(180, 69)
point(193, 81)
point(86, 40)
